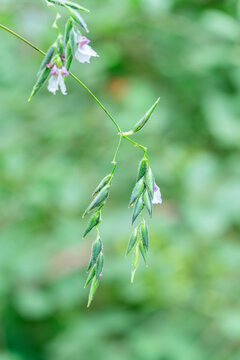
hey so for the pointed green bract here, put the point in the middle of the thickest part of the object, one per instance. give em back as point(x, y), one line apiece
point(73, 38)
point(94, 221)
point(42, 77)
point(146, 117)
point(60, 45)
point(136, 256)
point(94, 286)
point(96, 249)
point(77, 18)
point(68, 29)
point(144, 234)
point(98, 200)
point(138, 207)
point(90, 276)
point(147, 201)
point(47, 58)
point(68, 56)
point(137, 191)
point(149, 181)
point(143, 252)
point(68, 3)
point(99, 265)
point(102, 183)
point(142, 169)
point(132, 241)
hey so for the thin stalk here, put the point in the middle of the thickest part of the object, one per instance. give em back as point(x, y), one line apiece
point(115, 155)
point(143, 148)
point(21, 38)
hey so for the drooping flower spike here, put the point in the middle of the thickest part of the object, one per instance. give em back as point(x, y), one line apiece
point(56, 66)
point(56, 80)
point(84, 52)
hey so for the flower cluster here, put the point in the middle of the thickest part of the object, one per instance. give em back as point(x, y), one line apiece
point(56, 66)
point(72, 44)
point(145, 193)
point(95, 267)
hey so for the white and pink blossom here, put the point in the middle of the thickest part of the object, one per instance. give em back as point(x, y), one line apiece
point(84, 51)
point(56, 80)
point(157, 198)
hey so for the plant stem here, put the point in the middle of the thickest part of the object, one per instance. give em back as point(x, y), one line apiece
point(115, 155)
point(98, 101)
point(143, 148)
point(21, 38)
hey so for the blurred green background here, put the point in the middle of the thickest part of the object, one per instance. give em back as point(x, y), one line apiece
point(54, 150)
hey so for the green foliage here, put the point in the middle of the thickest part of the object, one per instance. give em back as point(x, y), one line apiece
point(185, 305)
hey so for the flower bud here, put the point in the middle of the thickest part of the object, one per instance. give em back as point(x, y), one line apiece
point(60, 45)
point(142, 169)
point(99, 265)
point(102, 183)
point(96, 249)
point(42, 77)
point(68, 3)
point(144, 234)
point(149, 181)
point(98, 200)
point(74, 36)
point(143, 252)
point(147, 201)
point(78, 18)
point(138, 207)
point(92, 291)
point(132, 241)
point(136, 257)
point(94, 221)
point(90, 276)
point(68, 29)
point(47, 58)
point(137, 191)
point(146, 117)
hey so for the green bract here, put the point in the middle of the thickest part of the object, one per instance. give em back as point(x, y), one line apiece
point(96, 249)
point(132, 241)
point(77, 18)
point(138, 207)
point(149, 180)
point(68, 3)
point(42, 77)
point(137, 191)
point(94, 221)
point(103, 182)
point(146, 117)
point(144, 234)
point(143, 166)
point(98, 200)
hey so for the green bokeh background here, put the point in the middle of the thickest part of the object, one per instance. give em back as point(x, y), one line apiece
point(54, 150)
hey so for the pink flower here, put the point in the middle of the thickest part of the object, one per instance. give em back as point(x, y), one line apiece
point(84, 51)
point(157, 198)
point(56, 80)
point(100, 274)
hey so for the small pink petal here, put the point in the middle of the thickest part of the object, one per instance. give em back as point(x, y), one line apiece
point(83, 41)
point(54, 70)
point(64, 71)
